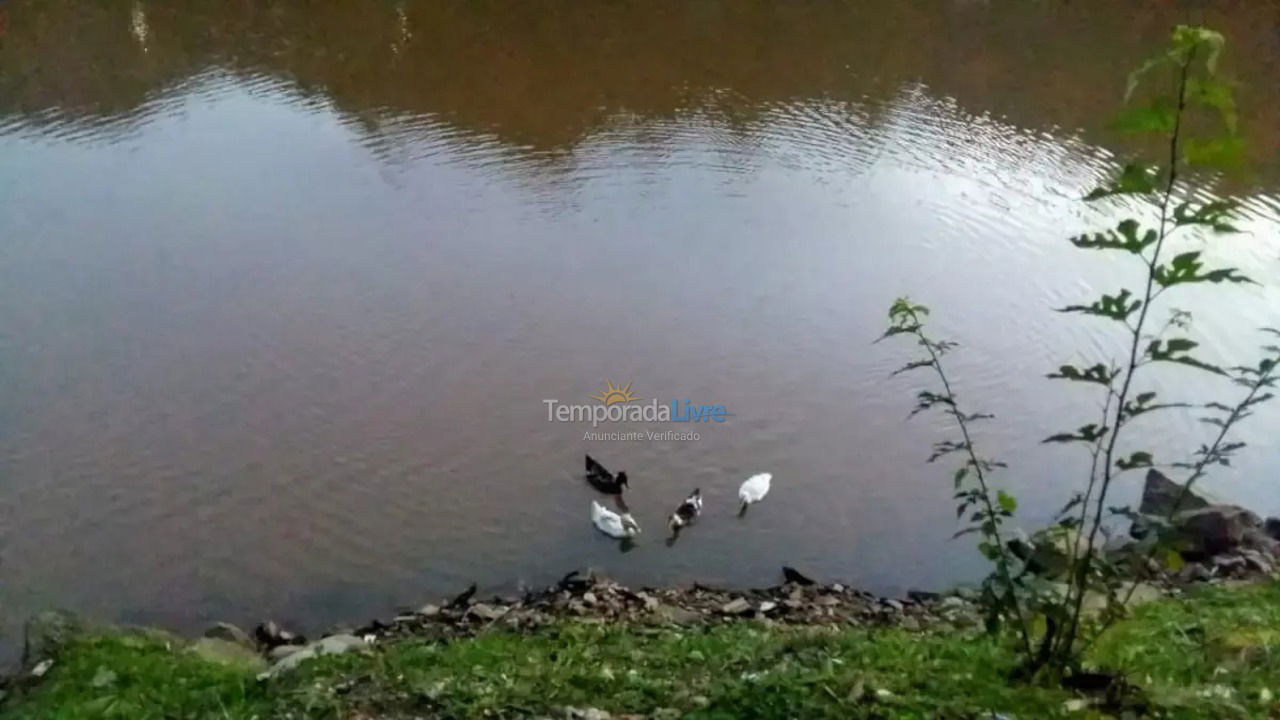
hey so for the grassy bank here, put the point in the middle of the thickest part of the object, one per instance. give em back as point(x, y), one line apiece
point(1212, 654)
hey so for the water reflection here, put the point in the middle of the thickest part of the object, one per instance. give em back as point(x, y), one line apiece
point(541, 78)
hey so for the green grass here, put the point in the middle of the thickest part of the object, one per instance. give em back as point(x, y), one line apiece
point(1210, 655)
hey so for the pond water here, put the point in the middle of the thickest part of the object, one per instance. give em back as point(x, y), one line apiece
point(284, 287)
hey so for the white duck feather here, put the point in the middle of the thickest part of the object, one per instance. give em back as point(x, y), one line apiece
point(754, 489)
point(611, 523)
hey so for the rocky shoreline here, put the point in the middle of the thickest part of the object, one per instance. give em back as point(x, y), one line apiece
point(1176, 538)
point(586, 597)
point(1216, 543)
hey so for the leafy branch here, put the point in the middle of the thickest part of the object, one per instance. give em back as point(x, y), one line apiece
point(1191, 60)
point(1160, 185)
point(906, 318)
point(1257, 380)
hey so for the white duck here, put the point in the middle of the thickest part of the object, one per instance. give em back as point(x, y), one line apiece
point(611, 523)
point(754, 489)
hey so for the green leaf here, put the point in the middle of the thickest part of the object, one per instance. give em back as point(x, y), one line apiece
point(926, 399)
point(1134, 178)
point(1124, 237)
point(1116, 307)
point(1187, 42)
point(960, 475)
point(1160, 116)
point(1226, 152)
point(913, 365)
point(1215, 95)
point(989, 550)
point(1142, 404)
point(1008, 503)
point(1174, 351)
point(903, 306)
point(1173, 561)
point(1099, 374)
point(1075, 500)
point(1185, 268)
point(1135, 77)
point(1087, 433)
point(947, 446)
point(1136, 460)
point(1188, 39)
point(1213, 214)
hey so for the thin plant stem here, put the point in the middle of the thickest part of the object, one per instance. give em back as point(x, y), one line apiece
point(1002, 564)
point(1197, 471)
point(1095, 453)
point(1081, 576)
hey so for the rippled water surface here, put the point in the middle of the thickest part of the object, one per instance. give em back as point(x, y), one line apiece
point(283, 286)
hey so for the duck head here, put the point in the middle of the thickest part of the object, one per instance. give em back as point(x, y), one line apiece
point(629, 525)
point(622, 479)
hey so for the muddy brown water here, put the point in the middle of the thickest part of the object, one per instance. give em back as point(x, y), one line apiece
point(284, 286)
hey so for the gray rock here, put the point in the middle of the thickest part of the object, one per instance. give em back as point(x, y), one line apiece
point(1227, 564)
point(1194, 572)
point(281, 652)
point(1258, 539)
point(737, 606)
point(792, 575)
point(1272, 527)
point(1213, 529)
point(767, 606)
point(1257, 561)
point(46, 634)
point(1160, 494)
point(677, 615)
point(230, 633)
point(332, 645)
point(1047, 553)
point(225, 652)
point(429, 610)
point(1119, 547)
point(1141, 527)
point(486, 612)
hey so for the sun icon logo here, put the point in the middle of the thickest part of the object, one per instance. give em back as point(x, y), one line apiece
point(616, 394)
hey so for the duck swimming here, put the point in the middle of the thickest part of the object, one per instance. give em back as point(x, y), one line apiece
point(687, 512)
point(754, 489)
point(612, 524)
point(603, 480)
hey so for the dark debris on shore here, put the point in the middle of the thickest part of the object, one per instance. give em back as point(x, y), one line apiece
point(588, 597)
